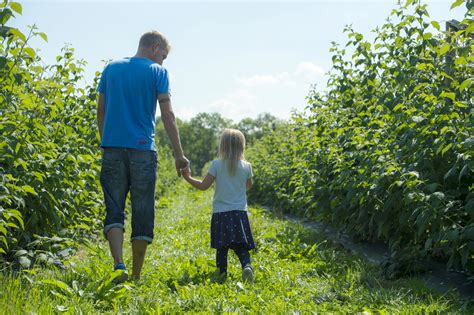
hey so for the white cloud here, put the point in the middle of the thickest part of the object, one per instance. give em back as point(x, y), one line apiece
point(264, 79)
point(185, 113)
point(276, 93)
point(309, 70)
point(236, 105)
point(305, 71)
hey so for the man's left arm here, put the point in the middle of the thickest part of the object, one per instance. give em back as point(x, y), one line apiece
point(169, 122)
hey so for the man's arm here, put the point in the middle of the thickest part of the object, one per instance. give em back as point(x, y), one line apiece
point(169, 122)
point(100, 113)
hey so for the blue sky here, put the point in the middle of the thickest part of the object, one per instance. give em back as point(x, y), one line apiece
point(238, 58)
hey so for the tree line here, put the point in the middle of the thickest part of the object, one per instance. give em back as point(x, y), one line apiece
point(200, 134)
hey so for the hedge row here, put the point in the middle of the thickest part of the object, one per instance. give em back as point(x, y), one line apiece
point(386, 152)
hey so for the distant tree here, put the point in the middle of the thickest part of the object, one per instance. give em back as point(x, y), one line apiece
point(200, 135)
point(254, 129)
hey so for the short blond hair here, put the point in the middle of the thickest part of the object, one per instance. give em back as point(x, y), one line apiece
point(152, 38)
point(231, 148)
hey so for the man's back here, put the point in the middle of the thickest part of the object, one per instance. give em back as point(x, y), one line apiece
point(131, 87)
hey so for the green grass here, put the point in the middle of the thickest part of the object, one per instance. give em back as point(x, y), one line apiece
point(296, 271)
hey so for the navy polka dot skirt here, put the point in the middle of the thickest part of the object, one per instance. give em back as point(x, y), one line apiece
point(231, 229)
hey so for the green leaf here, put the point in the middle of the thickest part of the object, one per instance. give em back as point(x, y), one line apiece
point(470, 28)
point(43, 36)
point(427, 36)
point(417, 119)
point(29, 189)
point(108, 280)
point(446, 149)
point(468, 143)
point(435, 25)
point(4, 241)
point(464, 170)
point(418, 87)
point(460, 104)
point(470, 6)
point(18, 34)
point(5, 15)
point(457, 4)
point(62, 308)
point(30, 52)
point(12, 225)
point(412, 174)
point(17, 215)
point(58, 285)
point(4, 31)
point(25, 262)
point(452, 170)
point(449, 95)
point(439, 195)
point(39, 176)
point(16, 7)
point(460, 61)
point(423, 66)
point(443, 49)
point(398, 106)
point(466, 83)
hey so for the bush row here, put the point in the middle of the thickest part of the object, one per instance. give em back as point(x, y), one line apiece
point(386, 152)
point(49, 160)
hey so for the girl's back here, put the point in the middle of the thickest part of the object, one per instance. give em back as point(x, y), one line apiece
point(230, 189)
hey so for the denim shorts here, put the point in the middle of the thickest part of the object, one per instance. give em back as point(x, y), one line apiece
point(125, 170)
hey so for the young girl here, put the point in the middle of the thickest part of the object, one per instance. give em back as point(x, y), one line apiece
point(230, 227)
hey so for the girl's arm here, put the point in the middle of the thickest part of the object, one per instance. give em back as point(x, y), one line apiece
point(201, 185)
point(249, 183)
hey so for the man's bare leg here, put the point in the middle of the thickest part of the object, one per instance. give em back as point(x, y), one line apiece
point(139, 250)
point(115, 238)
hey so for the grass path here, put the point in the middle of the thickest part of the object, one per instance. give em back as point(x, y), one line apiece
point(296, 271)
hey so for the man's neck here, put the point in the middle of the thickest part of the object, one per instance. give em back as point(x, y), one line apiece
point(142, 54)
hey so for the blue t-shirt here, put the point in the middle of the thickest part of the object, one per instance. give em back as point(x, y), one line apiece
point(230, 192)
point(131, 87)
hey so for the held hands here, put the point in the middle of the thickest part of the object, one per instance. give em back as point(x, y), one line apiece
point(180, 163)
point(186, 172)
point(196, 183)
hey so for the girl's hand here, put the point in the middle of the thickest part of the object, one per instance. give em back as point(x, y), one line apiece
point(186, 172)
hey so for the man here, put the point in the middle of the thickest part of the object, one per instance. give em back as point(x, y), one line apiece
point(128, 91)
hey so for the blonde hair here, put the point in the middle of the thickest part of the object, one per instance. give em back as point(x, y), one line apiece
point(231, 148)
point(152, 38)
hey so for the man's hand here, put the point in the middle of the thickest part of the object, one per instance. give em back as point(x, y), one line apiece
point(180, 163)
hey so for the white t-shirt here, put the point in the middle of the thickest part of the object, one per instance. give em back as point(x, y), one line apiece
point(230, 191)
